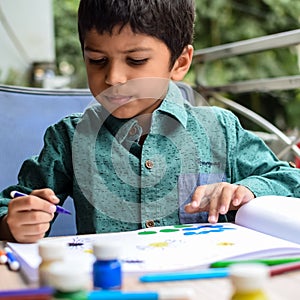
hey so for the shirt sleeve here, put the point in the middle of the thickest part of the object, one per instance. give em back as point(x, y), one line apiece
point(52, 168)
point(253, 164)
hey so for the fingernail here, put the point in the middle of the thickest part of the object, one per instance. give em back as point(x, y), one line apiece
point(194, 204)
point(55, 198)
point(236, 202)
point(212, 219)
point(52, 209)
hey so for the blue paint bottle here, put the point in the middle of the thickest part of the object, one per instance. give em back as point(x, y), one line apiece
point(107, 271)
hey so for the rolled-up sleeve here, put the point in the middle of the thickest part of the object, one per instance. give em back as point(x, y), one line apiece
point(254, 165)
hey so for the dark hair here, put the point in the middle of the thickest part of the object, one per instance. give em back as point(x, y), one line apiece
point(171, 21)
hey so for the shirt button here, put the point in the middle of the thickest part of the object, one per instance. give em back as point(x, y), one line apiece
point(292, 164)
point(150, 223)
point(133, 130)
point(149, 164)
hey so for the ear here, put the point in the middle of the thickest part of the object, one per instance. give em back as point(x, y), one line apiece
point(182, 63)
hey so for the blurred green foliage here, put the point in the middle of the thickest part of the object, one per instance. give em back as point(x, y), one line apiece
point(218, 22)
point(67, 42)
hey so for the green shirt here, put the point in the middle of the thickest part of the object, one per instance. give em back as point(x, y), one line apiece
point(118, 185)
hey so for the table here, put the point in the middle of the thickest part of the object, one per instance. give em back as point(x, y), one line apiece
point(280, 287)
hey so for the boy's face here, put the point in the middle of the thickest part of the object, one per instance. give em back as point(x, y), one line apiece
point(128, 72)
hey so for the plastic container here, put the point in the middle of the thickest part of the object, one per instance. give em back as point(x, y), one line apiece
point(50, 252)
point(70, 280)
point(248, 281)
point(107, 271)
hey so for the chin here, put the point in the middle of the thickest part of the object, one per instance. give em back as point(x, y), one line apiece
point(127, 111)
point(124, 113)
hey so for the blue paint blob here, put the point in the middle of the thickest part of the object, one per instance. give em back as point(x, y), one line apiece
point(213, 228)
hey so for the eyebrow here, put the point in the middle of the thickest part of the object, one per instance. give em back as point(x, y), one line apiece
point(133, 50)
point(139, 50)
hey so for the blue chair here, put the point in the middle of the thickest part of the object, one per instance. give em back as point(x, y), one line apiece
point(25, 113)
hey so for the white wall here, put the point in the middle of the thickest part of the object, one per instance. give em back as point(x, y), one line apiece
point(32, 40)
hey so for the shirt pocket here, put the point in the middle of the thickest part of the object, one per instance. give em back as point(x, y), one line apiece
point(187, 184)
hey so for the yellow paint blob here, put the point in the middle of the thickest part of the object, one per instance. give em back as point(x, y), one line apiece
point(225, 244)
point(159, 244)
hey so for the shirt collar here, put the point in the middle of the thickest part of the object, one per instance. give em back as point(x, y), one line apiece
point(123, 128)
point(173, 104)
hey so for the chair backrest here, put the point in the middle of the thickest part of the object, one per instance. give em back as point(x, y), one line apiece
point(25, 113)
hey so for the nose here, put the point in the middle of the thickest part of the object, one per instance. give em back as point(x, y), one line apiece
point(115, 74)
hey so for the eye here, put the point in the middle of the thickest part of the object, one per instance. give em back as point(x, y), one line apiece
point(137, 62)
point(99, 62)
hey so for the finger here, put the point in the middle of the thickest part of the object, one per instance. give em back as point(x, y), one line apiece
point(31, 233)
point(46, 194)
point(241, 196)
point(29, 239)
point(33, 217)
point(36, 230)
point(33, 223)
point(29, 223)
point(200, 198)
point(226, 197)
point(193, 206)
point(30, 202)
point(215, 197)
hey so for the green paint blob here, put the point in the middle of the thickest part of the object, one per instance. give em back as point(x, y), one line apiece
point(182, 226)
point(169, 230)
point(147, 232)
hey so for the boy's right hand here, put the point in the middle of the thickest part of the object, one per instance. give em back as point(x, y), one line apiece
point(29, 217)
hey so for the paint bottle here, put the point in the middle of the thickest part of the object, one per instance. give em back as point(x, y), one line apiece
point(107, 271)
point(248, 280)
point(70, 280)
point(50, 252)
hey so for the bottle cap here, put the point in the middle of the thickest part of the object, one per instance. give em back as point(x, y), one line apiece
point(50, 250)
point(105, 251)
point(68, 276)
point(249, 276)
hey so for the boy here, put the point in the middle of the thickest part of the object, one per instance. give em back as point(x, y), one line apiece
point(143, 157)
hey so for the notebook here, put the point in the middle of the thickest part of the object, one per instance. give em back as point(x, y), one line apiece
point(265, 227)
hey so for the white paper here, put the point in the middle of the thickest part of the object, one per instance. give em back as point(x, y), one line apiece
point(168, 248)
point(274, 215)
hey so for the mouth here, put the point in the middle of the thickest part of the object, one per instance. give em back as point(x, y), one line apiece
point(117, 99)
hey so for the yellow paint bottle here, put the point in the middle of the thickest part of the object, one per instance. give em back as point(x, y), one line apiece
point(50, 252)
point(248, 281)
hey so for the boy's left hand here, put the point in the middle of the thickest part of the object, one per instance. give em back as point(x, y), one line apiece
point(218, 198)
